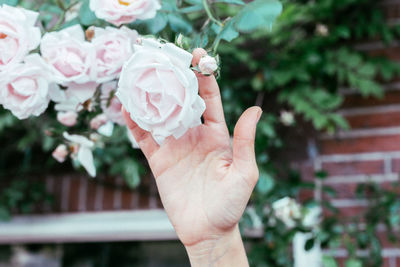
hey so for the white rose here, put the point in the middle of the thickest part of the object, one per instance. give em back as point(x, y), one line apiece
point(120, 12)
point(70, 57)
point(18, 35)
point(287, 210)
point(160, 91)
point(83, 151)
point(25, 88)
point(208, 65)
point(113, 47)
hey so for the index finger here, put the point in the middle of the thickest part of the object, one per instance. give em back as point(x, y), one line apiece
point(209, 91)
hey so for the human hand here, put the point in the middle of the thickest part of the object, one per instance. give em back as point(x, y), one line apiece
point(204, 183)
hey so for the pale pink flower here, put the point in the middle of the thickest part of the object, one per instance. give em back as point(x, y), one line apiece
point(120, 12)
point(67, 118)
point(160, 91)
point(70, 57)
point(25, 89)
point(60, 153)
point(98, 121)
point(18, 34)
point(113, 47)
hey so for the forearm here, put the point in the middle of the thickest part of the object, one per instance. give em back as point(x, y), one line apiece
point(227, 250)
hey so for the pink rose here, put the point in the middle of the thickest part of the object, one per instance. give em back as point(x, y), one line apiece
point(68, 118)
point(69, 55)
point(113, 47)
point(60, 153)
point(25, 88)
point(208, 65)
point(160, 91)
point(98, 121)
point(119, 12)
point(18, 35)
point(110, 104)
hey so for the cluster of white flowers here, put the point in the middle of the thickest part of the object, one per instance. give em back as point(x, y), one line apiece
point(152, 80)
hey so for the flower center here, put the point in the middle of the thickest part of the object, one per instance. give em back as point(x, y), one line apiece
point(3, 35)
point(122, 2)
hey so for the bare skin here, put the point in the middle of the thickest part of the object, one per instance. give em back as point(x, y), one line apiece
point(204, 182)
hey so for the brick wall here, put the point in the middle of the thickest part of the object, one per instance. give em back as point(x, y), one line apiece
point(370, 151)
point(79, 193)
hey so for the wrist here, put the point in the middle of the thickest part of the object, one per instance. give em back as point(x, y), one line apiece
point(223, 250)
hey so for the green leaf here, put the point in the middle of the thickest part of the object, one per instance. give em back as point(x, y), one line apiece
point(328, 261)
point(132, 174)
point(4, 214)
point(233, 2)
point(309, 244)
point(321, 174)
point(256, 14)
point(9, 2)
point(228, 33)
point(158, 23)
point(265, 183)
point(353, 263)
point(179, 24)
point(86, 15)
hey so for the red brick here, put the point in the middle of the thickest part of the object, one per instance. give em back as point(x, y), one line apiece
point(305, 194)
point(392, 52)
point(361, 144)
point(396, 165)
point(91, 189)
point(73, 198)
point(57, 193)
point(108, 193)
point(391, 97)
point(388, 119)
point(126, 198)
point(385, 242)
point(347, 213)
point(348, 190)
point(353, 167)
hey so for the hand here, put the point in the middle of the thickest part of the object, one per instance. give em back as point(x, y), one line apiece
point(204, 183)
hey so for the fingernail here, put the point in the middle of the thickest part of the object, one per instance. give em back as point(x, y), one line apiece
point(259, 114)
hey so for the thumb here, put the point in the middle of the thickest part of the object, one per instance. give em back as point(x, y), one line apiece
point(244, 159)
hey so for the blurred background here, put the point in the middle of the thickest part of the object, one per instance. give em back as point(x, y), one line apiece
point(328, 147)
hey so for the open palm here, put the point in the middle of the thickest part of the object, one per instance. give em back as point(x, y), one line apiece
point(203, 181)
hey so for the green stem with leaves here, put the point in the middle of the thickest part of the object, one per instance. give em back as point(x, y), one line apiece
point(209, 13)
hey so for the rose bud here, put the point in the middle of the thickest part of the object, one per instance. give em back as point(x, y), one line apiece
point(60, 153)
point(208, 65)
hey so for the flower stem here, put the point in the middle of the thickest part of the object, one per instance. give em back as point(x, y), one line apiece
point(209, 14)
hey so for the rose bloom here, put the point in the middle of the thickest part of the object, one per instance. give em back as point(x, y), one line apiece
point(60, 153)
point(98, 121)
point(110, 104)
point(287, 210)
point(18, 35)
point(25, 88)
point(69, 55)
point(68, 118)
point(160, 91)
point(113, 47)
point(120, 12)
point(208, 65)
